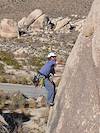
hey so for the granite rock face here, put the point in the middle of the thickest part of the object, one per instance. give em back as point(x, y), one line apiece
point(76, 107)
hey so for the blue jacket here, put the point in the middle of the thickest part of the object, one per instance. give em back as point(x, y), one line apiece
point(48, 68)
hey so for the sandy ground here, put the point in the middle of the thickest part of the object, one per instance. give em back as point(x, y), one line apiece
point(19, 8)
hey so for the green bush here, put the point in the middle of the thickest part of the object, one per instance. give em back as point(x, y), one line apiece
point(38, 62)
point(9, 59)
point(3, 79)
point(1, 69)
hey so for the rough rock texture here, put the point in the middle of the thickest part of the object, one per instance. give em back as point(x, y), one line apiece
point(77, 102)
point(62, 23)
point(39, 22)
point(21, 23)
point(2, 121)
point(8, 28)
point(32, 17)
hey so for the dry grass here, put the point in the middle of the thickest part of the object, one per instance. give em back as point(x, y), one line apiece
point(38, 62)
point(9, 59)
point(1, 68)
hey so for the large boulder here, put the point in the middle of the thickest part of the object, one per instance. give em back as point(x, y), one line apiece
point(8, 28)
point(40, 22)
point(21, 23)
point(76, 107)
point(32, 17)
point(61, 23)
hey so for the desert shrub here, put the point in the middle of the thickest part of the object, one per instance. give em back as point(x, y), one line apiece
point(13, 80)
point(18, 100)
point(3, 79)
point(1, 68)
point(22, 80)
point(9, 59)
point(26, 40)
point(38, 62)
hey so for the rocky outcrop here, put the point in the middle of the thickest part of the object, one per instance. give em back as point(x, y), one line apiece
point(77, 102)
point(40, 22)
point(38, 39)
point(37, 22)
point(8, 28)
point(29, 114)
point(32, 17)
point(61, 23)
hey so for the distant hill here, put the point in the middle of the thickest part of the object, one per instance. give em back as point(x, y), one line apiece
point(19, 8)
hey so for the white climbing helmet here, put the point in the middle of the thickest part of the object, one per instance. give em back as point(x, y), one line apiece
point(51, 54)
